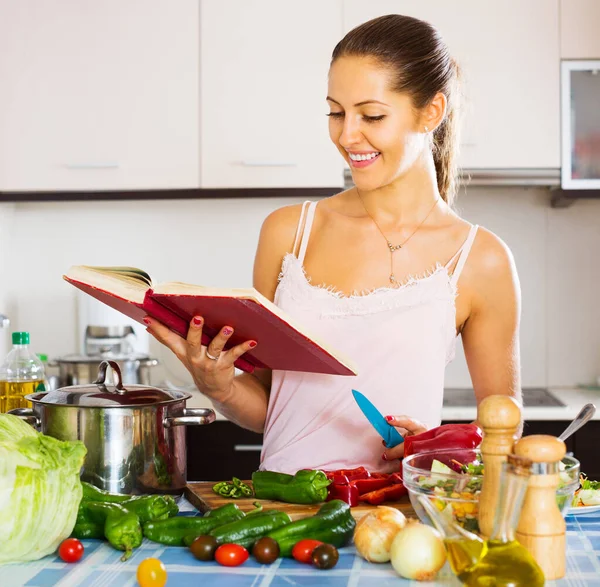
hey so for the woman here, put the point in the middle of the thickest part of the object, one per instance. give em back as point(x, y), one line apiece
point(386, 272)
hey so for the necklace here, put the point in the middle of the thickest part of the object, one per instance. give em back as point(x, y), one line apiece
point(392, 247)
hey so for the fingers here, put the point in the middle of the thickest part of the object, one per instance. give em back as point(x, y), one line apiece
point(391, 454)
point(194, 335)
point(411, 425)
point(217, 344)
point(165, 336)
point(237, 351)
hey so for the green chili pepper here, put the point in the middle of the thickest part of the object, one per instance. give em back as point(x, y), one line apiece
point(332, 524)
point(92, 493)
point(235, 489)
point(88, 530)
point(121, 527)
point(148, 507)
point(246, 531)
point(173, 530)
point(305, 487)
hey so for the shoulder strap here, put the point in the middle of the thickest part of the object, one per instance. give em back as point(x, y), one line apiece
point(463, 253)
point(310, 215)
point(300, 222)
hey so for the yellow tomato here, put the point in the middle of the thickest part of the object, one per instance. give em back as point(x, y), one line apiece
point(151, 573)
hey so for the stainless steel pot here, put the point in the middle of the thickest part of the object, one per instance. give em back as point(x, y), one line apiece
point(83, 369)
point(134, 435)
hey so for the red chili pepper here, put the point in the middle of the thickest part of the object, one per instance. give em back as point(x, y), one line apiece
point(390, 493)
point(347, 493)
point(367, 485)
point(444, 437)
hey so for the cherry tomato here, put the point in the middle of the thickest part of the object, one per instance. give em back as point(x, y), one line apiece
point(151, 573)
point(303, 550)
point(70, 550)
point(265, 550)
point(325, 556)
point(204, 547)
point(231, 555)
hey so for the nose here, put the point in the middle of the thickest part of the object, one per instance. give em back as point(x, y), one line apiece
point(350, 133)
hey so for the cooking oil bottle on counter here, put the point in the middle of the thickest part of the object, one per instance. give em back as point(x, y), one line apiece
point(21, 373)
point(501, 560)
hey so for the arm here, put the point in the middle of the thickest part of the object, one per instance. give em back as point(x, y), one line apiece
point(242, 399)
point(490, 333)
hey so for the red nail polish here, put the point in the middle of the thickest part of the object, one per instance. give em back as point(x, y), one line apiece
point(197, 320)
point(384, 457)
point(227, 331)
point(252, 344)
point(146, 320)
point(389, 418)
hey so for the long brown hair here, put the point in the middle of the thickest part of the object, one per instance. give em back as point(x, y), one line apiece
point(422, 66)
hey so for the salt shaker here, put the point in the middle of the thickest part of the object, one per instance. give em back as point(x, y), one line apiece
point(542, 528)
point(499, 416)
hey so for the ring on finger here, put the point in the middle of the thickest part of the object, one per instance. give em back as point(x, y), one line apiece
point(212, 357)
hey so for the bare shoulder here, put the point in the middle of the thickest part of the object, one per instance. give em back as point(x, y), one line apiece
point(490, 273)
point(279, 227)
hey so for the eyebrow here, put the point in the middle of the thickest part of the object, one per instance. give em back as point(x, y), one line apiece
point(363, 103)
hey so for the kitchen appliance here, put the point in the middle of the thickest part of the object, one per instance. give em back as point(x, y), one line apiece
point(134, 434)
point(580, 117)
point(390, 435)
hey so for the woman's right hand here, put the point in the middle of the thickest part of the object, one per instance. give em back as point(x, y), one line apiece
point(211, 367)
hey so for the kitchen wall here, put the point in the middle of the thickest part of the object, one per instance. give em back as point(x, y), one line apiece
point(212, 242)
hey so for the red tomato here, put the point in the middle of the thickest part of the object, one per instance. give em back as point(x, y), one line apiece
point(70, 550)
point(231, 555)
point(303, 550)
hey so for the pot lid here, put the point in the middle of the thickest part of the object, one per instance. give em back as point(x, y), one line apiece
point(103, 394)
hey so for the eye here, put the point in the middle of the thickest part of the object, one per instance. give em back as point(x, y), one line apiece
point(374, 118)
point(336, 114)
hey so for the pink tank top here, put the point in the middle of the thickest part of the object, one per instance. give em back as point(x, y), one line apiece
point(400, 339)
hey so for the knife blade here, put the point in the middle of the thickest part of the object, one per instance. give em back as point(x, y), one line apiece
point(390, 435)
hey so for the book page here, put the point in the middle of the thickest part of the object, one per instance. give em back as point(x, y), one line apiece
point(126, 282)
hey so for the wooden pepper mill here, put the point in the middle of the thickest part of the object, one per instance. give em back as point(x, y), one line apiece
point(499, 416)
point(542, 528)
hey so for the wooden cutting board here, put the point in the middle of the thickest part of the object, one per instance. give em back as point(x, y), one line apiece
point(202, 497)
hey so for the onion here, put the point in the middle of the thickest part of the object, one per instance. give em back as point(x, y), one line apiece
point(418, 552)
point(375, 531)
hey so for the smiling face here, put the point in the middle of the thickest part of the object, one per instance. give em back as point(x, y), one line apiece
point(377, 130)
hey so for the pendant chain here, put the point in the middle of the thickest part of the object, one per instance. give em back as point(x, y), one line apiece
point(393, 248)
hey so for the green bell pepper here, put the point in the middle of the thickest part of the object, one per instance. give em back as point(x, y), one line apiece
point(305, 487)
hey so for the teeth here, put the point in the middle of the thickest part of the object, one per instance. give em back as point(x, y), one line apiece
point(366, 157)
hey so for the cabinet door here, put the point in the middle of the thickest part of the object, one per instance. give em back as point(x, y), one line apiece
point(508, 52)
point(99, 95)
point(264, 70)
point(579, 20)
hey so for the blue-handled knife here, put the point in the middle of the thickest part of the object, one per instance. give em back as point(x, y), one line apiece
point(390, 435)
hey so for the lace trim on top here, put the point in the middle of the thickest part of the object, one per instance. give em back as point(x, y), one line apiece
point(294, 282)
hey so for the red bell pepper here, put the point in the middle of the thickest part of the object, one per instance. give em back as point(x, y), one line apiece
point(444, 437)
point(351, 474)
point(390, 493)
point(348, 493)
point(372, 484)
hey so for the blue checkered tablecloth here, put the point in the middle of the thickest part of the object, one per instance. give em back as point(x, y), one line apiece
point(101, 567)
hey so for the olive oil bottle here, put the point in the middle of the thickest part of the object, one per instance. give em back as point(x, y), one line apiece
point(21, 373)
point(500, 561)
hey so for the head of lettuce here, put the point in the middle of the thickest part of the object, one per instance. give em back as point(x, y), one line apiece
point(40, 490)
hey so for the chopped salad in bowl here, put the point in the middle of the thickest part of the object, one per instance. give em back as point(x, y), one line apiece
point(452, 478)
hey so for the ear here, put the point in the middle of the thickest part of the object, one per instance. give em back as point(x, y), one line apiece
point(433, 114)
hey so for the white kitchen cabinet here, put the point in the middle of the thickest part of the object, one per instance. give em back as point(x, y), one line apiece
point(264, 67)
point(99, 95)
point(579, 22)
point(509, 54)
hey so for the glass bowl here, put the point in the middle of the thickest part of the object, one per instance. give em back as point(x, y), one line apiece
point(456, 493)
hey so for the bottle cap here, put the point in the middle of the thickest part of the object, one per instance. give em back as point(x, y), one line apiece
point(20, 337)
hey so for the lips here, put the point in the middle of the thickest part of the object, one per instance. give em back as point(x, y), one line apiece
point(363, 162)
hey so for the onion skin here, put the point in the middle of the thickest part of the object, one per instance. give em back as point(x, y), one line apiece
point(375, 532)
point(418, 552)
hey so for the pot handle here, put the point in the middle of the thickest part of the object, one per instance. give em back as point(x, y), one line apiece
point(27, 415)
point(101, 381)
point(191, 417)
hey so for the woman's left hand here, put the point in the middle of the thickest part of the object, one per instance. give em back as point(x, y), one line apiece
point(407, 427)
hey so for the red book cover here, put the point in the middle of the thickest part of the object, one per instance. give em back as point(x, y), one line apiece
point(281, 345)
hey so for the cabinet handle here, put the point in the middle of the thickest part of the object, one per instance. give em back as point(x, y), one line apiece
point(247, 447)
point(267, 163)
point(79, 166)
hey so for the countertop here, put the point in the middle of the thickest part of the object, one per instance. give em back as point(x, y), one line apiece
point(574, 399)
point(101, 567)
